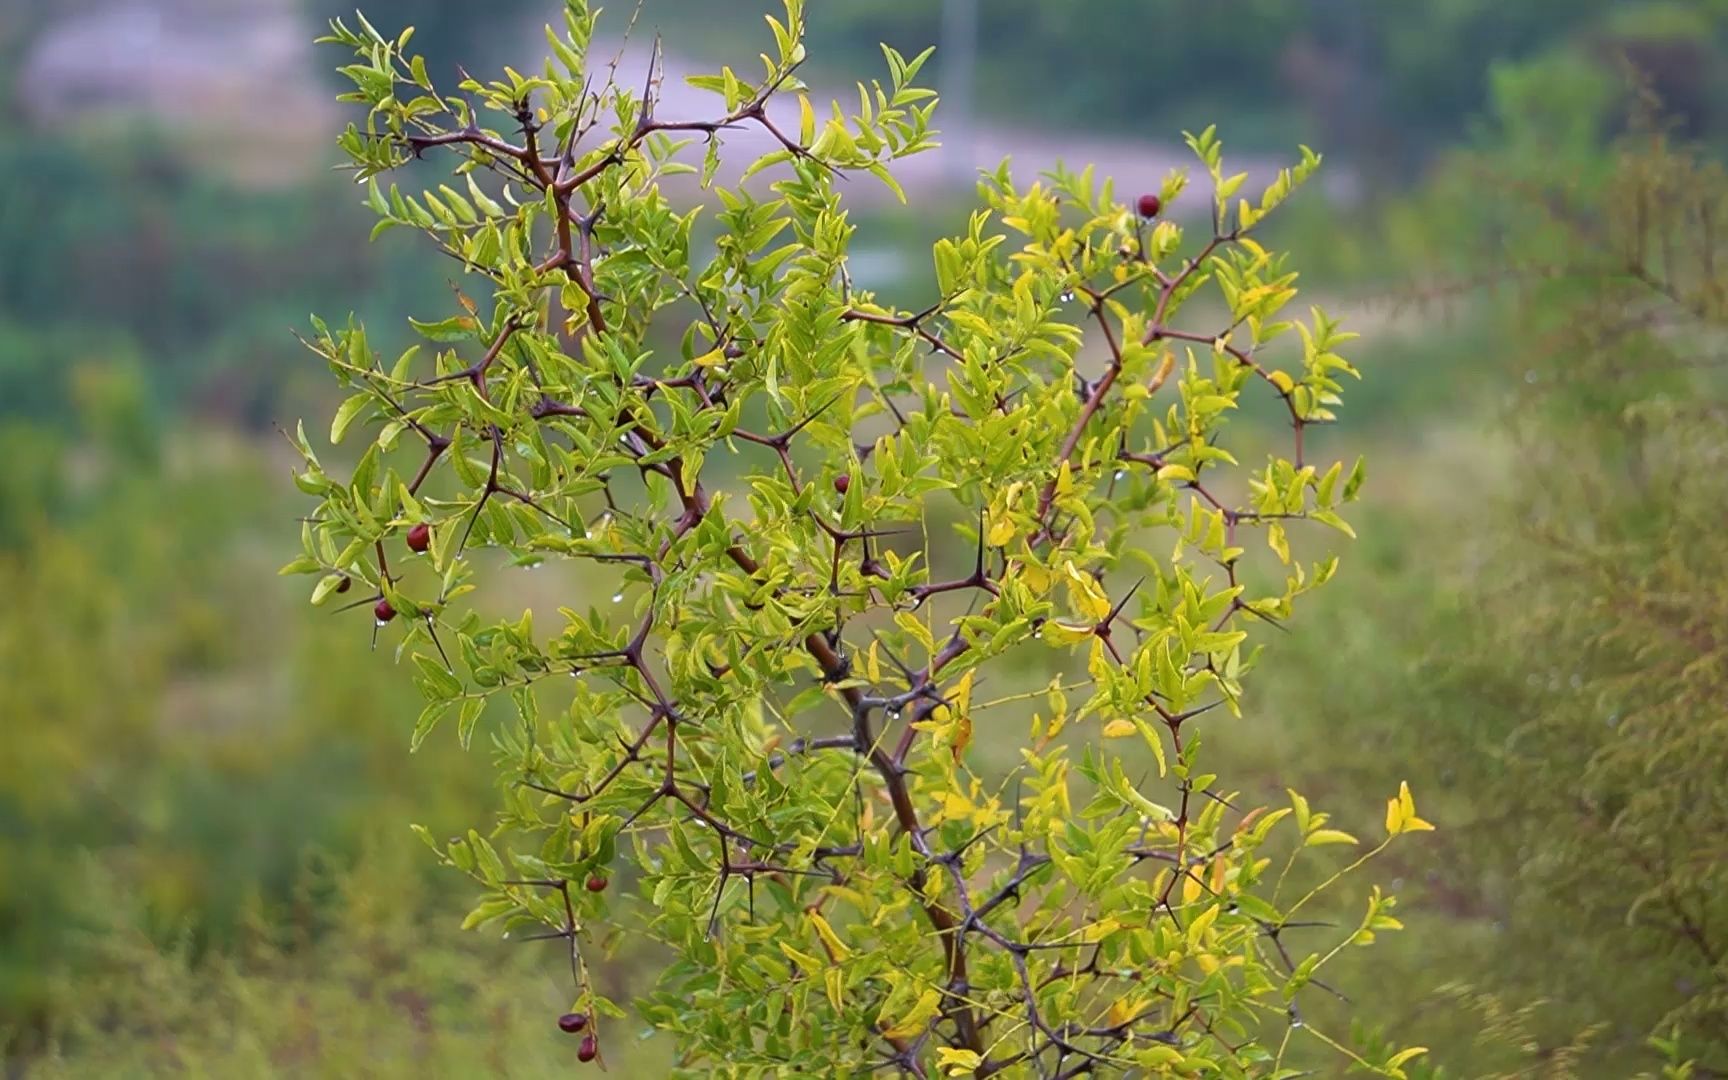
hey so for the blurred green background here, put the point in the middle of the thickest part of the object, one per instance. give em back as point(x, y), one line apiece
point(205, 865)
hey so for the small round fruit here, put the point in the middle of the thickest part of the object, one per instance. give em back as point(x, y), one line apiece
point(589, 1050)
point(1149, 205)
point(384, 612)
point(571, 1023)
point(596, 884)
point(420, 537)
point(842, 482)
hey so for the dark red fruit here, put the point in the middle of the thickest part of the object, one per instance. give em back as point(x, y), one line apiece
point(571, 1023)
point(842, 482)
point(589, 1050)
point(420, 537)
point(384, 612)
point(1149, 205)
point(596, 884)
point(345, 584)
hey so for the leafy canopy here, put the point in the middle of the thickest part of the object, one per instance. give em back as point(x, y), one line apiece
point(824, 523)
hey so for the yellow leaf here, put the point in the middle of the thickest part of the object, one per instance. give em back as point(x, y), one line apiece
point(837, 949)
point(958, 1062)
point(1401, 813)
point(809, 963)
point(923, 1011)
point(1063, 634)
point(1202, 923)
point(1402, 1056)
point(1276, 540)
point(1085, 594)
point(963, 691)
point(1321, 837)
point(1165, 367)
point(807, 120)
point(962, 737)
point(1282, 380)
point(1065, 480)
point(873, 663)
point(1150, 734)
point(712, 358)
point(835, 980)
point(1100, 930)
point(1119, 728)
point(1123, 1011)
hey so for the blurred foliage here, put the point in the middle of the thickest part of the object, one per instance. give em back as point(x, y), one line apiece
point(1383, 85)
point(1537, 631)
point(343, 985)
point(176, 717)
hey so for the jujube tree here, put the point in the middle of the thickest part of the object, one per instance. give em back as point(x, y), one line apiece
point(822, 522)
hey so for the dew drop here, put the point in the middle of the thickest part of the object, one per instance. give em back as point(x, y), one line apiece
point(379, 622)
point(1297, 1022)
point(617, 598)
point(506, 933)
point(1068, 296)
point(1121, 475)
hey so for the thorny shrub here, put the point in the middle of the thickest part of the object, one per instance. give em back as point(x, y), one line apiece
point(778, 718)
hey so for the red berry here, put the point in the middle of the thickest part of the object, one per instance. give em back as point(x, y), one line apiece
point(572, 1022)
point(596, 884)
point(842, 482)
point(589, 1050)
point(420, 537)
point(1149, 205)
point(384, 612)
point(345, 584)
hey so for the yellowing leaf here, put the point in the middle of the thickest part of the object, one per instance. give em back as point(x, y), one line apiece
point(837, 949)
point(958, 1062)
point(1100, 930)
point(1123, 1011)
point(712, 358)
point(1402, 1056)
point(1320, 837)
point(807, 120)
point(1202, 923)
point(914, 1022)
point(1150, 734)
point(1063, 634)
point(1085, 594)
point(835, 981)
point(1119, 728)
point(1401, 813)
point(1276, 540)
point(804, 960)
point(1065, 480)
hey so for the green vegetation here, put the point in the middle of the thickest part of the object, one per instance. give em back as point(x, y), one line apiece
point(778, 734)
point(205, 860)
